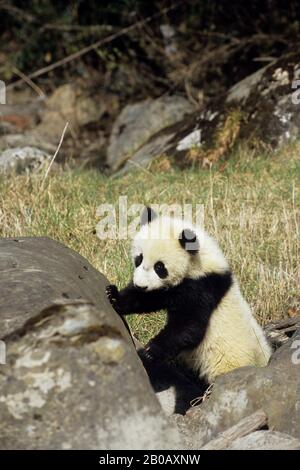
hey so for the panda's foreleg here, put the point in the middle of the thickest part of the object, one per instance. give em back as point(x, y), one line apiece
point(174, 338)
point(134, 300)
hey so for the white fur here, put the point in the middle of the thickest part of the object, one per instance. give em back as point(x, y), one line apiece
point(158, 241)
point(234, 338)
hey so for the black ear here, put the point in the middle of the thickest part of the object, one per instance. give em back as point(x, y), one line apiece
point(189, 241)
point(148, 215)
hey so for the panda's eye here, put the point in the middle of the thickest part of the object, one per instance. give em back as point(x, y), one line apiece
point(138, 260)
point(160, 269)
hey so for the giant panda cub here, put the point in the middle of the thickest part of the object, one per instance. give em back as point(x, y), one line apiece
point(180, 268)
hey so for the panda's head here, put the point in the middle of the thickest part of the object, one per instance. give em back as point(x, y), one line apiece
point(167, 249)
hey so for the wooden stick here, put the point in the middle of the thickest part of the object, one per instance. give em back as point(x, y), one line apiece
point(54, 156)
point(243, 428)
point(29, 82)
point(287, 322)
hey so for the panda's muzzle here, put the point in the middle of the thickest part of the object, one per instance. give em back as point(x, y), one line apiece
point(140, 287)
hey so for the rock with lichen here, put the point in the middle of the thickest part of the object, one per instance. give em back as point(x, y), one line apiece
point(261, 110)
point(72, 378)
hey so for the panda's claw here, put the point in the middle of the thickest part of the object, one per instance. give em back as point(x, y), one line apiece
point(113, 296)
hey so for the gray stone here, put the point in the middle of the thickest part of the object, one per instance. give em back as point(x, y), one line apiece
point(265, 440)
point(242, 90)
point(70, 103)
point(22, 159)
point(263, 107)
point(29, 139)
point(275, 389)
point(36, 272)
point(72, 382)
point(79, 106)
point(72, 378)
point(21, 111)
point(137, 123)
point(157, 146)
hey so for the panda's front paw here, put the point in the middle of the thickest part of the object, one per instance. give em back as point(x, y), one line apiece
point(146, 357)
point(154, 353)
point(114, 297)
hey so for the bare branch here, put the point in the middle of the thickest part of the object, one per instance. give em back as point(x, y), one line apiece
point(245, 426)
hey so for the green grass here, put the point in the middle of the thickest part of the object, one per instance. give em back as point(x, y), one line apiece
point(251, 207)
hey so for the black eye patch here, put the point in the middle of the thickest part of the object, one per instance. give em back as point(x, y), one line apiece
point(138, 260)
point(161, 270)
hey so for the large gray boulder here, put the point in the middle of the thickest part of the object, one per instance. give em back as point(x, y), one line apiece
point(72, 378)
point(36, 272)
point(138, 122)
point(275, 389)
point(28, 139)
point(265, 440)
point(263, 109)
point(73, 104)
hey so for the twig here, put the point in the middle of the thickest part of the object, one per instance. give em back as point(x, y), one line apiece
point(29, 82)
point(247, 425)
point(198, 400)
point(75, 27)
point(15, 11)
point(55, 154)
point(93, 46)
point(282, 324)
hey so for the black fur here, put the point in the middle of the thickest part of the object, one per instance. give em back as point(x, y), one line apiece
point(189, 307)
point(186, 386)
point(161, 270)
point(138, 260)
point(189, 241)
point(147, 216)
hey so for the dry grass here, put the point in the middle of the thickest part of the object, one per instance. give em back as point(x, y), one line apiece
point(251, 207)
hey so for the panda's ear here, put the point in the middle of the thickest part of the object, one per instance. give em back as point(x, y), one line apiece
point(189, 241)
point(147, 216)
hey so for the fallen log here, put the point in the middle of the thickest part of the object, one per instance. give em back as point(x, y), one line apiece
point(244, 427)
point(281, 331)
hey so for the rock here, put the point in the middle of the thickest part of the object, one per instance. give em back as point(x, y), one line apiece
point(241, 91)
point(29, 139)
point(22, 158)
point(73, 104)
point(275, 389)
point(21, 112)
point(268, 101)
point(158, 145)
point(39, 271)
point(138, 122)
point(244, 427)
point(263, 109)
point(72, 378)
point(273, 103)
point(60, 388)
point(278, 333)
point(266, 440)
